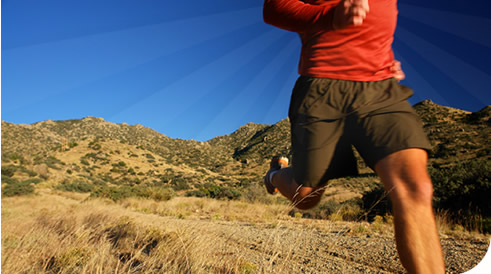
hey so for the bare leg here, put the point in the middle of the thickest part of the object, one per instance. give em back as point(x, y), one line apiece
point(404, 174)
point(302, 197)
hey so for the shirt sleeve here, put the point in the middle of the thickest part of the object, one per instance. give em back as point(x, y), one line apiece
point(297, 16)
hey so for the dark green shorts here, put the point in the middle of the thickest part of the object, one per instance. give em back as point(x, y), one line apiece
point(330, 116)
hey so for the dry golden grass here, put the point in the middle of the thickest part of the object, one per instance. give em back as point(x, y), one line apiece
point(66, 234)
point(62, 232)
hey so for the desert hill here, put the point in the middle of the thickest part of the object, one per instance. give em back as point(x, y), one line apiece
point(173, 205)
point(454, 133)
point(96, 152)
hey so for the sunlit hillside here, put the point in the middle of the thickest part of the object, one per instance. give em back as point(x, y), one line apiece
point(90, 196)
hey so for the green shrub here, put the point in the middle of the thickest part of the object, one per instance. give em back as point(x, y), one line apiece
point(229, 193)
point(326, 209)
point(351, 210)
point(75, 186)
point(119, 164)
point(113, 193)
point(53, 163)
point(73, 144)
point(221, 192)
point(84, 162)
point(212, 191)
point(160, 193)
point(125, 191)
point(9, 180)
point(7, 157)
point(376, 202)
point(195, 193)
point(33, 181)
point(464, 186)
point(9, 170)
point(464, 190)
point(180, 184)
point(22, 188)
point(29, 172)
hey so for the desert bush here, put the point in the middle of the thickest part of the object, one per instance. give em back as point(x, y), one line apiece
point(17, 189)
point(33, 181)
point(464, 186)
point(125, 191)
point(84, 162)
point(376, 202)
point(195, 193)
point(156, 193)
point(441, 151)
point(112, 193)
point(230, 193)
point(220, 192)
point(7, 157)
point(95, 145)
point(53, 162)
point(256, 193)
point(464, 190)
point(9, 180)
point(96, 157)
point(179, 184)
point(75, 186)
point(349, 210)
point(322, 211)
point(9, 170)
point(72, 144)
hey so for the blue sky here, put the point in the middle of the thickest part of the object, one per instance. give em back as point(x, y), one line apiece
point(200, 69)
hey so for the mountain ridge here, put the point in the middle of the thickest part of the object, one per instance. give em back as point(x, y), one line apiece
point(455, 134)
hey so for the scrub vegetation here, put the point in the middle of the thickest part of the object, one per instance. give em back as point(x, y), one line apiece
point(92, 196)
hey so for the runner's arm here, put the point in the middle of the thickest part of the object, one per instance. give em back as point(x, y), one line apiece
point(297, 16)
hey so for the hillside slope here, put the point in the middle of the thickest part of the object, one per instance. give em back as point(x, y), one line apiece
point(455, 135)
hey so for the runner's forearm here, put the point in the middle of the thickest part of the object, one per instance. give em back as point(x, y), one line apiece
point(297, 16)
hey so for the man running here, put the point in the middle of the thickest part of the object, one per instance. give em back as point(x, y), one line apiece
point(348, 94)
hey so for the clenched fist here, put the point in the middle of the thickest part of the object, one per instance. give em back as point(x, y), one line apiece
point(350, 12)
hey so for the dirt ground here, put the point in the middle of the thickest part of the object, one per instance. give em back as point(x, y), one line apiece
point(327, 248)
point(260, 245)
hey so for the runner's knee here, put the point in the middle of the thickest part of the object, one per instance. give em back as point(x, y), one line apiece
point(411, 193)
point(307, 197)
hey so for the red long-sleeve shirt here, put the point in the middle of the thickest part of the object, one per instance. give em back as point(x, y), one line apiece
point(357, 53)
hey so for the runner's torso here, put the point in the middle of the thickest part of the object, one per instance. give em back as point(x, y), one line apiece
point(357, 53)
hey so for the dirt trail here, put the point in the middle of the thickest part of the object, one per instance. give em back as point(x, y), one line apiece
point(283, 245)
point(334, 248)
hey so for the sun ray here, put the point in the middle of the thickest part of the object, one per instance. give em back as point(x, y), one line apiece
point(213, 99)
point(128, 87)
point(231, 18)
point(106, 55)
point(424, 88)
point(279, 107)
point(173, 97)
point(467, 76)
point(473, 28)
point(244, 101)
point(269, 92)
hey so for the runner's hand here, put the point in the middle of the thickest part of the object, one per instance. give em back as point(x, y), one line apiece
point(350, 12)
point(397, 70)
